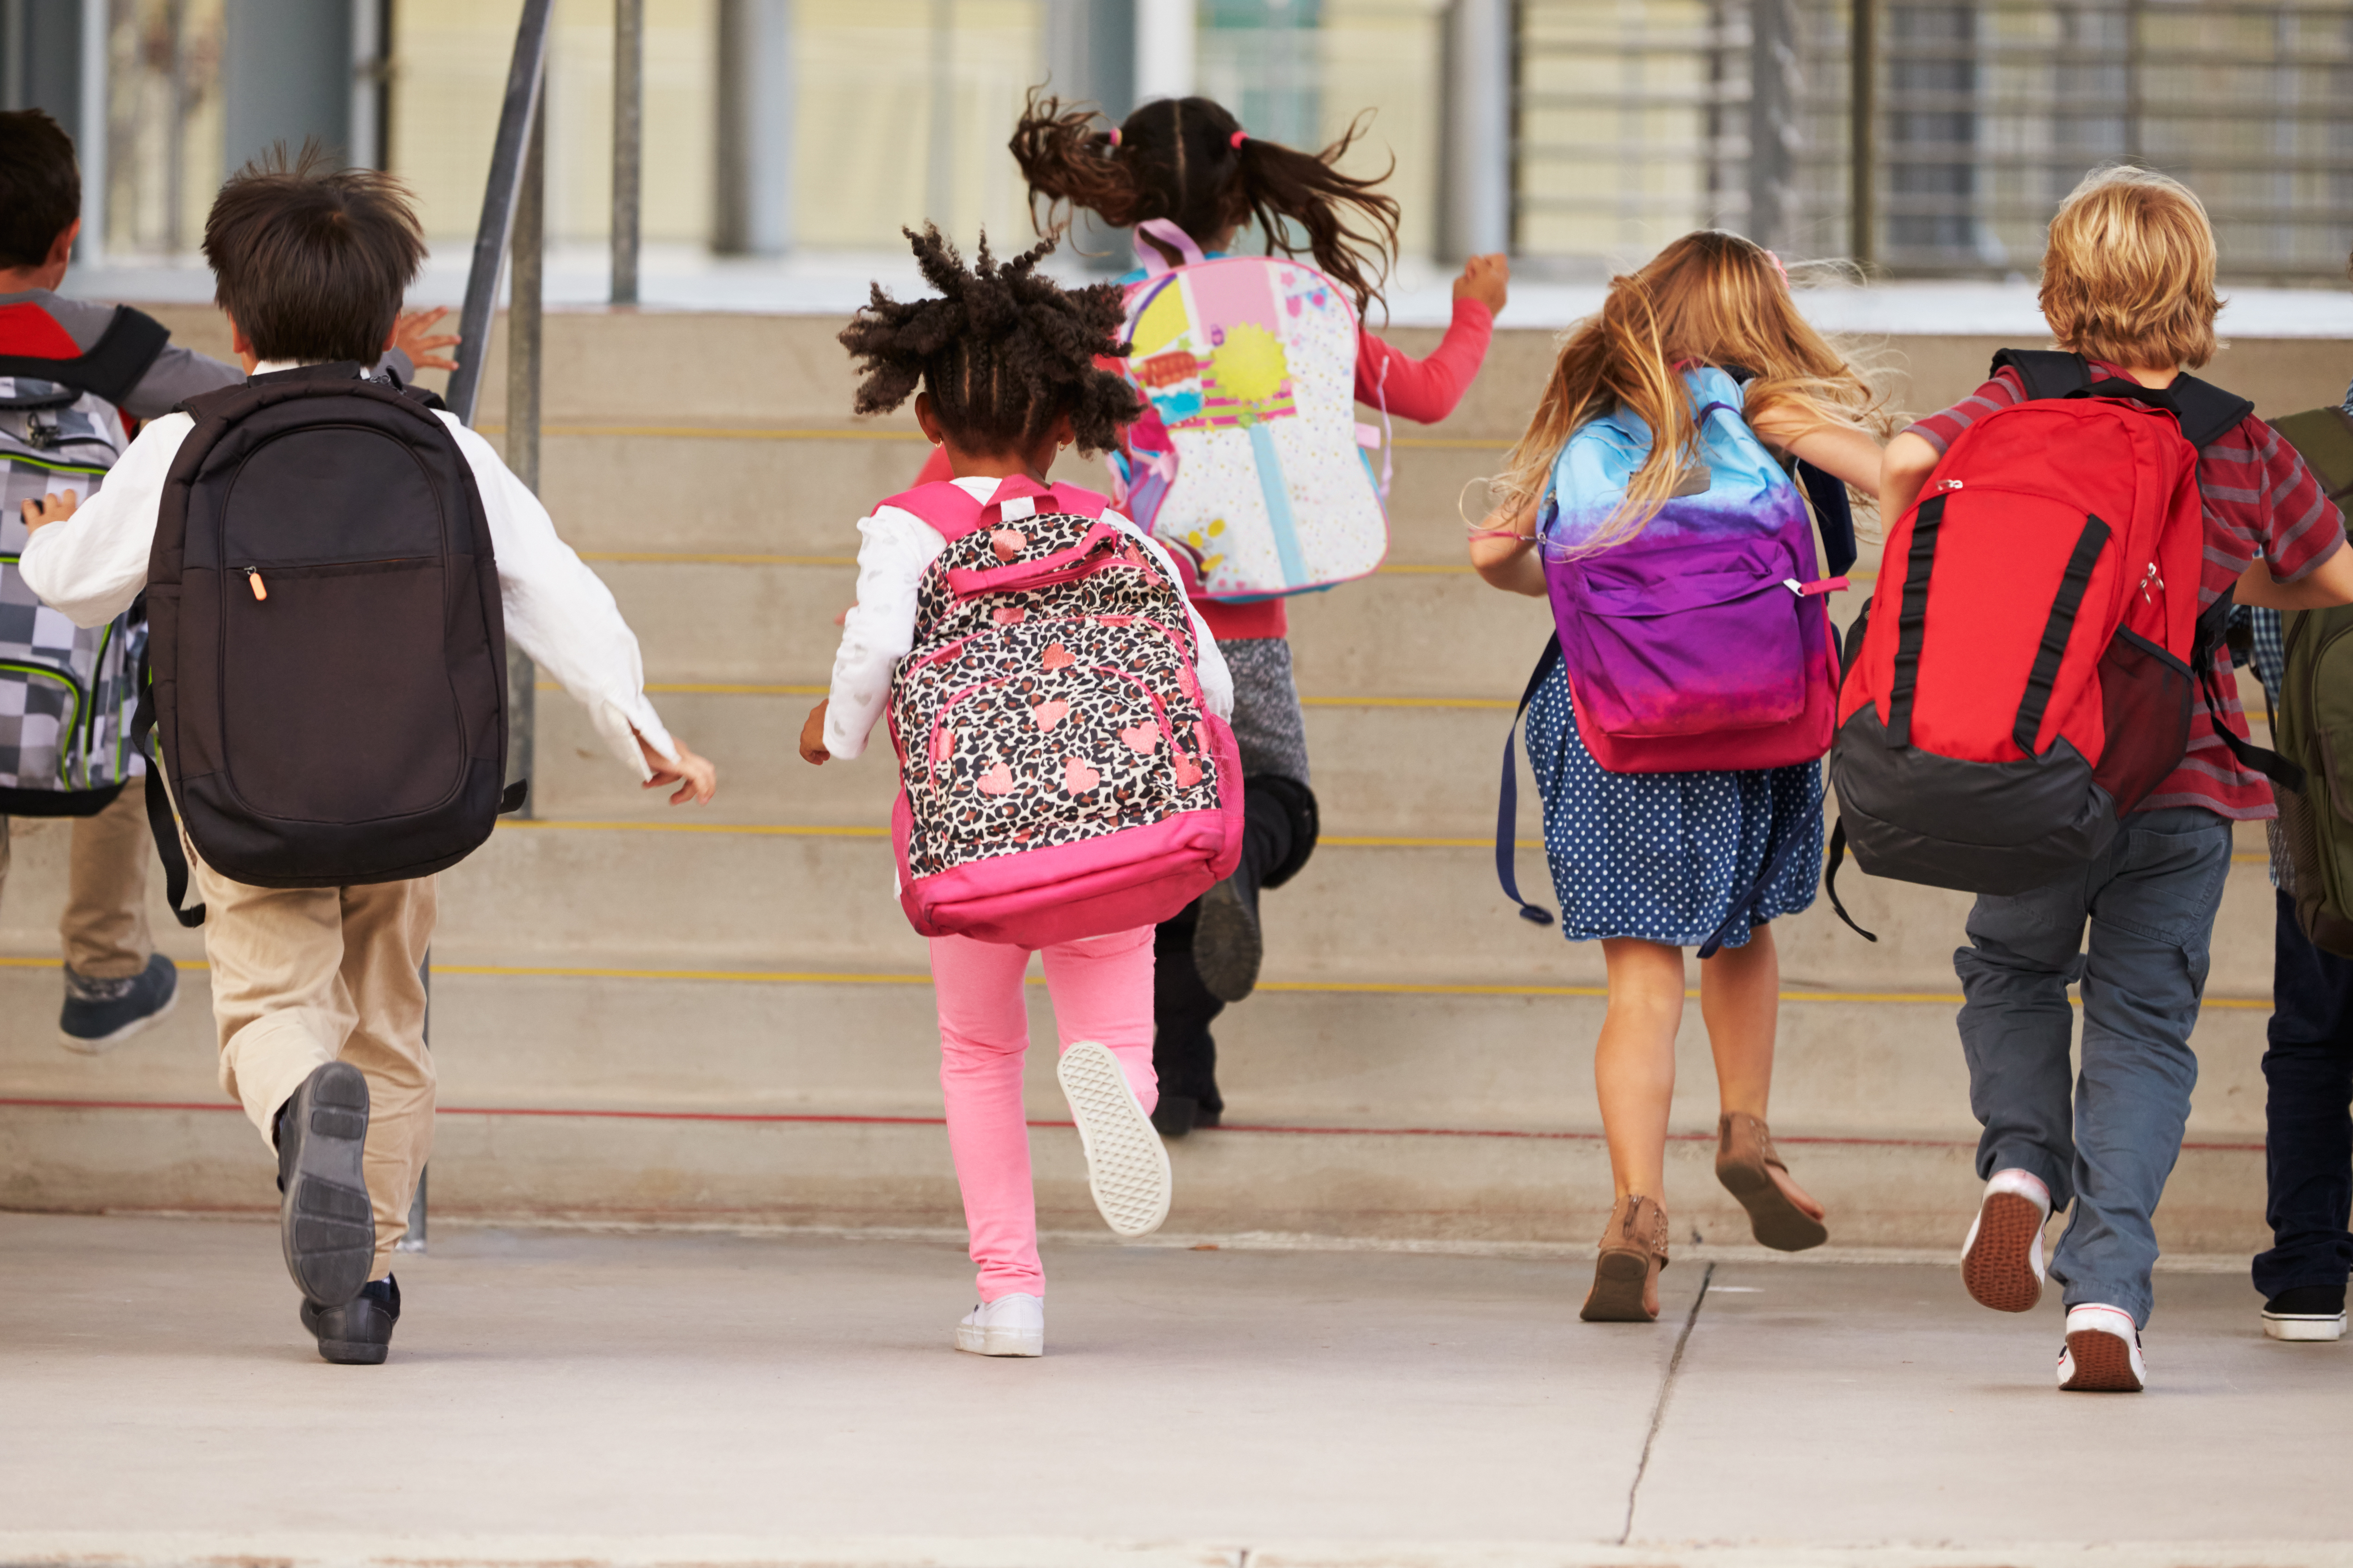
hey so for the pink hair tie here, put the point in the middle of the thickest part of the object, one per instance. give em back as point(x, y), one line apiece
point(1778, 267)
point(1114, 136)
point(1237, 139)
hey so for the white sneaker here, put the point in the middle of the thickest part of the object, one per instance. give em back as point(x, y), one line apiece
point(2103, 1354)
point(1010, 1325)
point(2002, 1262)
point(1127, 1165)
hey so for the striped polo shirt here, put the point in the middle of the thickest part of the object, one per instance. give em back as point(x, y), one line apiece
point(2259, 499)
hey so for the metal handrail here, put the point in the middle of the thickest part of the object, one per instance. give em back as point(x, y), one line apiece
point(527, 74)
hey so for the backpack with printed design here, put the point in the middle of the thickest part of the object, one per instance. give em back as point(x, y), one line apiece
point(2028, 680)
point(1249, 463)
point(67, 693)
point(1061, 775)
point(1703, 643)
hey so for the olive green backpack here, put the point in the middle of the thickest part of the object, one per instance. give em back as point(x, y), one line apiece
point(2313, 725)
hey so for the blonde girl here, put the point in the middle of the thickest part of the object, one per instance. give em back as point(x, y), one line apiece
point(1649, 864)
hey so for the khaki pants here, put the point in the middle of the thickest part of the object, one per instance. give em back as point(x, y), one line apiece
point(303, 976)
point(105, 921)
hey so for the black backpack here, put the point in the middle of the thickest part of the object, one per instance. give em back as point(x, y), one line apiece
point(328, 658)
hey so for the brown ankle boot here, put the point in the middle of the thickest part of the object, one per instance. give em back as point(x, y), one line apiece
point(1626, 1275)
point(1744, 1163)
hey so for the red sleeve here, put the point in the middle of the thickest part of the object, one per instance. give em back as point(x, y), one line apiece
point(1941, 430)
point(2303, 528)
point(1425, 390)
point(936, 467)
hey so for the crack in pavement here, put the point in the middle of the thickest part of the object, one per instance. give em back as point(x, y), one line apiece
point(1658, 1411)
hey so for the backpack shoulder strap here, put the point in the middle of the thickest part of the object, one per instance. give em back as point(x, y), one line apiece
point(110, 367)
point(942, 503)
point(2046, 373)
point(1080, 501)
point(2206, 411)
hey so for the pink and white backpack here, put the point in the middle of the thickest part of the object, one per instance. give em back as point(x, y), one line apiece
point(1061, 775)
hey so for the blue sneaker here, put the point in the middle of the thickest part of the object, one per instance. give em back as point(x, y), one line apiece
point(100, 1014)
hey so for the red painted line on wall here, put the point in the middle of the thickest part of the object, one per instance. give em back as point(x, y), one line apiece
point(810, 1118)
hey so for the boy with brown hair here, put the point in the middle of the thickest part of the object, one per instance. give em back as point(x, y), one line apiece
point(126, 369)
point(316, 992)
point(2128, 286)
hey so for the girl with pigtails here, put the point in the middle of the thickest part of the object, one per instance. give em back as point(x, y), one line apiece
point(1188, 162)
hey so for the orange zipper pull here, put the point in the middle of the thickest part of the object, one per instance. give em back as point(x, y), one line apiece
point(253, 579)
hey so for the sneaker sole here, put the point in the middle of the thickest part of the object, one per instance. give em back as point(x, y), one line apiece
point(998, 1343)
point(1127, 1165)
point(354, 1353)
point(2304, 1330)
point(325, 1222)
point(1226, 946)
point(1999, 1270)
point(2103, 1363)
point(98, 1045)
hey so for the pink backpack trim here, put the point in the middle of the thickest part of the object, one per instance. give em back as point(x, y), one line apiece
point(944, 504)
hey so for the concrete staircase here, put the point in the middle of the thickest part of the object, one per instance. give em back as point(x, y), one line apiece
point(719, 1015)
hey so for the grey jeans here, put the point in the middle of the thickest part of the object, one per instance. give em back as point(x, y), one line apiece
point(2107, 1141)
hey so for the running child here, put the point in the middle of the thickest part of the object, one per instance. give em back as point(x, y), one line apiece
point(1704, 347)
point(1189, 161)
point(317, 999)
point(1002, 369)
point(2128, 286)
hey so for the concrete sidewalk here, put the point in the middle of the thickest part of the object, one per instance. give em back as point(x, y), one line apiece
point(688, 1397)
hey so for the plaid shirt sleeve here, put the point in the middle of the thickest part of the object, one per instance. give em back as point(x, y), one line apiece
point(1941, 430)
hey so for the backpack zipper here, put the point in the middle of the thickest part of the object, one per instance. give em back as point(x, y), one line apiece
point(253, 581)
point(73, 722)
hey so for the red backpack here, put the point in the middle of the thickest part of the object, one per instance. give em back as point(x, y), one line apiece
point(2030, 680)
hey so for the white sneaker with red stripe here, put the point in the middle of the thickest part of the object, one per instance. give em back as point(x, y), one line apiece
point(2103, 1354)
point(2002, 1262)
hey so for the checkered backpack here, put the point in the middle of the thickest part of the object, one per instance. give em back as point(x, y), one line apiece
point(66, 693)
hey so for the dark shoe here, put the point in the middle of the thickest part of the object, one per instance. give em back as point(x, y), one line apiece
point(358, 1332)
point(324, 1220)
point(2307, 1313)
point(1226, 945)
point(101, 1013)
point(1744, 1163)
point(1176, 1115)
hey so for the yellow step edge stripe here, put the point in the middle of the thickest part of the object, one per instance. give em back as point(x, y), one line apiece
point(1304, 987)
point(723, 558)
point(746, 689)
point(795, 433)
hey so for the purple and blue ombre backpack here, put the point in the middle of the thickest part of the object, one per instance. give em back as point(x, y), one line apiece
point(1703, 643)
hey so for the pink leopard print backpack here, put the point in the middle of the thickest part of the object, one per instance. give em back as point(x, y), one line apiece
point(1059, 775)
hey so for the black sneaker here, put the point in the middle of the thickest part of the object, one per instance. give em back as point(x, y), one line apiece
point(1226, 944)
point(1176, 1115)
point(358, 1332)
point(100, 1014)
point(324, 1220)
point(2307, 1313)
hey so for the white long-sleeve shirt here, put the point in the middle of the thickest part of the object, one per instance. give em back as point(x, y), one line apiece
point(93, 564)
point(895, 547)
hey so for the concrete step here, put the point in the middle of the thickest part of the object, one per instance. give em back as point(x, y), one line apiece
point(1352, 1115)
point(710, 895)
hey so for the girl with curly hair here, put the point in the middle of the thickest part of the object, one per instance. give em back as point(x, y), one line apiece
point(1002, 368)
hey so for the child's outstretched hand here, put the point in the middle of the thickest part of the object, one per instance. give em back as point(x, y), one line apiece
point(413, 335)
point(813, 750)
point(52, 508)
point(1486, 278)
point(695, 776)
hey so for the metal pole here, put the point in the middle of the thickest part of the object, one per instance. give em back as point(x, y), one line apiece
point(96, 19)
point(1476, 211)
point(1772, 121)
point(524, 325)
point(939, 184)
point(521, 109)
point(1863, 134)
point(629, 141)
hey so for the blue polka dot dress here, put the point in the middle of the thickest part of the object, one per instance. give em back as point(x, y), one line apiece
point(1663, 857)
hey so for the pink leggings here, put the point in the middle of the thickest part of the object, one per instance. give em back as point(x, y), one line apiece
point(1101, 988)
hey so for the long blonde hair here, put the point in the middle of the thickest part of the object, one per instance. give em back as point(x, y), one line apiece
point(1710, 298)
